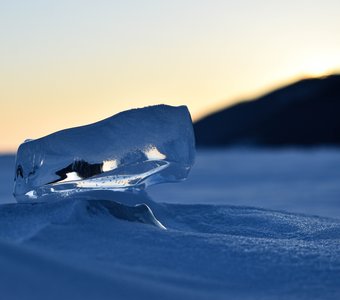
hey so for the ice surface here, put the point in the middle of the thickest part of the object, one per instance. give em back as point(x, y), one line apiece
point(130, 150)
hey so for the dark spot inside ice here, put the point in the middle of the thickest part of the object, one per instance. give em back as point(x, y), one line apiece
point(20, 171)
point(33, 171)
point(82, 168)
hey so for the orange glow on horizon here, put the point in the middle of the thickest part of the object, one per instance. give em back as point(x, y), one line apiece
point(51, 123)
point(62, 69)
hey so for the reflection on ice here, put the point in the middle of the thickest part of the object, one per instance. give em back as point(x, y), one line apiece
point(120, 181)
point(71, 176)
point(109, 165)
point(152, 153)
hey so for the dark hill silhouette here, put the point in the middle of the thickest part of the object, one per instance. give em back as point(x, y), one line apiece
point(306, 113)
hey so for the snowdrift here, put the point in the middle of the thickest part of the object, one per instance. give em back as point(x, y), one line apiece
point(208, 251)
point(267, 245)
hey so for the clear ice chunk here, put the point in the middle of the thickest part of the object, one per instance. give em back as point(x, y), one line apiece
point(128, 151)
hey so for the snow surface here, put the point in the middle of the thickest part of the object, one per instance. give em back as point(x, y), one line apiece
point(247, 224)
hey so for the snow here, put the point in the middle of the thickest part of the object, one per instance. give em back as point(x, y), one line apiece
point(247, 224)
point(298, 180)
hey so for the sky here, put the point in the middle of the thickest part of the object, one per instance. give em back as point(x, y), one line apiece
point(67, 63)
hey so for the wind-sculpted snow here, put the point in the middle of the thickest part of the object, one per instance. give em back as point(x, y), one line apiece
point(130, 150)
point(208, 251)
point(84, 248)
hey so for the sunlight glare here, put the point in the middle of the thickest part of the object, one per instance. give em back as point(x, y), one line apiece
point(318, 68)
